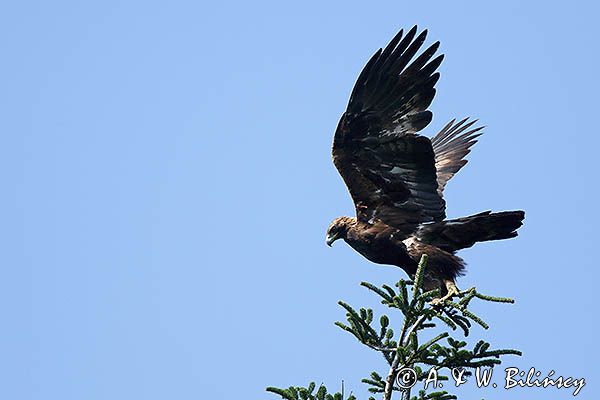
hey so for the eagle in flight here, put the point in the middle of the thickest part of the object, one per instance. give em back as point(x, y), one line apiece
point(396, 177)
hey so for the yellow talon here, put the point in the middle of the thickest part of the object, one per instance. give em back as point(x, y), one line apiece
point(452, 291)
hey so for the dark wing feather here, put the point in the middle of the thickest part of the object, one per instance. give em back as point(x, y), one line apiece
point(388, 168)
point(450, 146)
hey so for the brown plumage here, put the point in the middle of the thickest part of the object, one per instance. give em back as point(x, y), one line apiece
point(396, 177)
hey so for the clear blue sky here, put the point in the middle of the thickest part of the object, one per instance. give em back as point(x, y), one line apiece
point(168, 184)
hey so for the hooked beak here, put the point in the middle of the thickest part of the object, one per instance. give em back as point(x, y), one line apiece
point(330, 239)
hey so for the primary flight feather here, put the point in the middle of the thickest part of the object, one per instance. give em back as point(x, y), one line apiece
point(396, 177)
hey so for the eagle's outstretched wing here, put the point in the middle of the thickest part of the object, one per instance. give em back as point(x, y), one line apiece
point(450, 146)
point(389, 169)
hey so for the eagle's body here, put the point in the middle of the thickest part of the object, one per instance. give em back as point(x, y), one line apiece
point(396, 177)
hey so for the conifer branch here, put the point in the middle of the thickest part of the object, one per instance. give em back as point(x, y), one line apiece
point(404, 350)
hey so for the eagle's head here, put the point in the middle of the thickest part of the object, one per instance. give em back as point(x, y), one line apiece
point(338, 229)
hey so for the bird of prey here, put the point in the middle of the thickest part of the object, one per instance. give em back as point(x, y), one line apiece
point(396, 177)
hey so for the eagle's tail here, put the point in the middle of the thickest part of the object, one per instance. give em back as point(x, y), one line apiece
point(456, 234)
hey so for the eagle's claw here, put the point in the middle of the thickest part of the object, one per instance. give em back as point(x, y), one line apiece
point(452, 291)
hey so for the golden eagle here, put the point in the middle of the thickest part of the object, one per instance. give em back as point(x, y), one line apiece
point(396, 177)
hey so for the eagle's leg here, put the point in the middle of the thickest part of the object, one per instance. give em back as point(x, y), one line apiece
point(451, 290)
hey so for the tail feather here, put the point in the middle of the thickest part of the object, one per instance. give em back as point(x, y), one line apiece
point(456, 234)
